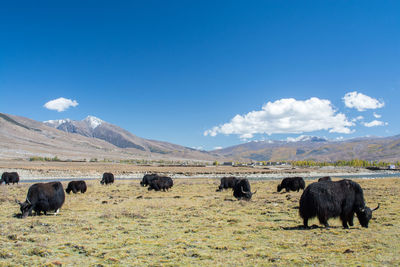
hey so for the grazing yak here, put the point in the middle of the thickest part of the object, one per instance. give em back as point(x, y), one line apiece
point(327, 200)
point(76, 186)
point(9, 177)
point(108, 178)
point(325, 178)
point(292, 184)
point(43, 197)
point(227, 182)
point(147, 178)
point(161, 183)
point(241, 190)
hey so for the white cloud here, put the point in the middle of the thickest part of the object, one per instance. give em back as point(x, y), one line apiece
point(218, 147)
point(359, 118)
point(375, 123)
point(299, 138)
point(60, 104)
point(285, 116)
point(377, 116)
point(198, 147)
point(361, 102)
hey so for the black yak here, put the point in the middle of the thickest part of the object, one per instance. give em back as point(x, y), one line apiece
point(147, 178)
point(108, 178)
point(161, 183)
point(327, 200)
point(76, 186)
point(242, 189)
point(9, 177)
point(43, 197)
point(227, 182)
point(325, 178)
point(292, 184)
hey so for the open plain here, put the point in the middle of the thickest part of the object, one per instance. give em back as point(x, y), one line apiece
point(124, 224)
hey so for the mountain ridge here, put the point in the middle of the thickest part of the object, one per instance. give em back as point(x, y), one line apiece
point(22, 137)
point(92, 137)
point(366, 148)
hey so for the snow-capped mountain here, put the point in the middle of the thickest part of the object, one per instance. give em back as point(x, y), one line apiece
point(96, 128)
point(55, 123)
point(93, 122)
point(85, 127)
point(306, 138)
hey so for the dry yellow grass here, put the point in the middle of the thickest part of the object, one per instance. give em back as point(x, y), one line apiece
point(124, 225)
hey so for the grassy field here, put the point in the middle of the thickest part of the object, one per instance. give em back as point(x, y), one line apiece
point(124, 225)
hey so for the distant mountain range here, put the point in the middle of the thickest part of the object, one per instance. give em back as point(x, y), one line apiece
point(90, 138)
point(94, 138)
point(316, 148)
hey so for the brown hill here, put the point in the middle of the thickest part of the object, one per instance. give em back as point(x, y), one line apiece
point(371, 149)
point(23, 138)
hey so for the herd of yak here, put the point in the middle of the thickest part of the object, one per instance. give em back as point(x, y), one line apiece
point(324, 199)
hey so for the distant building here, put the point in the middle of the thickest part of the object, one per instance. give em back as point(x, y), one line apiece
point(229, 163)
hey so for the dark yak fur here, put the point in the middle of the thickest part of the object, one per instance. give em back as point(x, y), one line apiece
point(227, 182)
point(325, 178)
point(43, 197)
point(108, 178)
point(327, 200)
point(147, 178)
point(292, 184)
point(161, 183)
point(242, 190)
point(76, 186)
point(9, 177)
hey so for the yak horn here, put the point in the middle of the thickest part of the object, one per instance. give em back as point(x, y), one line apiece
point(241, 188)
point(377, 207)
point(254, 192)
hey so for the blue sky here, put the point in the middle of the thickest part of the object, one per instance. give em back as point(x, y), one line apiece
point(180, 71)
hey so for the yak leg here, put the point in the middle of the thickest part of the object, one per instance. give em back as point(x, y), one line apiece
point(343, 218)
point(305, 222)
point(350, 219)
point(322, 220)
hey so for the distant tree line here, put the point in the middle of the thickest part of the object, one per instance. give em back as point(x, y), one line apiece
point(44, 159)
point(345, 163)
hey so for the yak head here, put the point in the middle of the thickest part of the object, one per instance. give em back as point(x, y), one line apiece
point(247, 194)
point(25, 207)
point(364, 215)
point(279, 188)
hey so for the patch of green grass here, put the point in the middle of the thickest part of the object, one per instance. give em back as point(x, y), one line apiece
point(194, 225)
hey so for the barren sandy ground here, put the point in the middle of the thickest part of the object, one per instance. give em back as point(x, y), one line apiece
point(67, 170)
